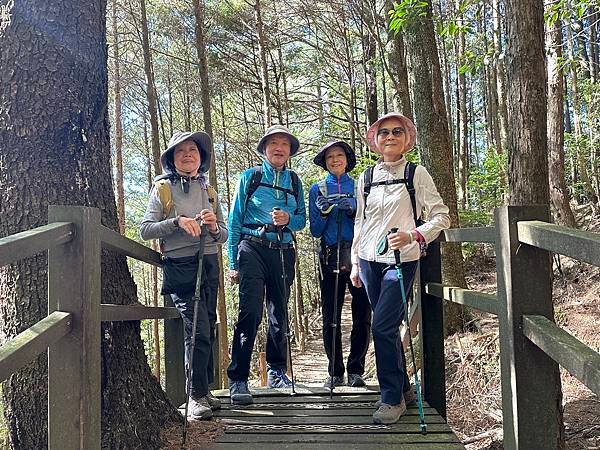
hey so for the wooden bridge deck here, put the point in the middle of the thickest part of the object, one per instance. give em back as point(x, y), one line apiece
point(311, 420)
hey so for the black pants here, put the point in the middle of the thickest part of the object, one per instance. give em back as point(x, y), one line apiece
point(361, 323)
point(203, 366)
point(260, 272)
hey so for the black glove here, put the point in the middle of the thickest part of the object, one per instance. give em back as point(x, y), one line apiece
point(323, 205)
point(348, 205)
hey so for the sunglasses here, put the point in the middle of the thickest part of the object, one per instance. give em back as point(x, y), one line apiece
point(385, 132)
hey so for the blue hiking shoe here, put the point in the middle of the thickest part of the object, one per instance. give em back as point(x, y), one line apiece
point(239, 393)
point(276, 378)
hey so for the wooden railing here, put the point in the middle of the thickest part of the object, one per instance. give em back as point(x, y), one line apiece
point(74, 238)
point(531, 344)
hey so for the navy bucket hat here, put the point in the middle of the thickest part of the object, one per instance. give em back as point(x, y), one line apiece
point(319, 159)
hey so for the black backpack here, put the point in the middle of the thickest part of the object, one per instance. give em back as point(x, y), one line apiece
point(408, 180)
point(256, 181)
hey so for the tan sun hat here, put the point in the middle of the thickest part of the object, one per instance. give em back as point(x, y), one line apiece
point(409, 126)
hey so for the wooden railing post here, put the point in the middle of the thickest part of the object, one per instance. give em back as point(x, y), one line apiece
point(531, 390)
point(174, 358)
point(432, 331)
point(74, 414)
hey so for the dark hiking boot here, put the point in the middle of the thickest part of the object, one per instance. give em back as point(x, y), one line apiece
point(239, 393)
point(388, 414)
point(337, 381)
point(213, 401)
point(355, 380)
point(276, 378)
point(199, 408)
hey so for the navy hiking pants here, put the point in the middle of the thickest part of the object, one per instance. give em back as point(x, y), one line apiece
point(361, 323)
point(260, 273)
point(383, 288)
point(203, 366)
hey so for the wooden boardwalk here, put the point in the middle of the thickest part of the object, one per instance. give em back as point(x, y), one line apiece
point(311, 420)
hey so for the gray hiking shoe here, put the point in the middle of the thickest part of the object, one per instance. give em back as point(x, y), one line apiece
point(389, 414)
point(239, 393)
point(199, 408)
point(410, 398)
point(355, 380)
point(213, 401)
point(337, 381)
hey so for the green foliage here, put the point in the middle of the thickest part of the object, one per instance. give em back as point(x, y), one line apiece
point(405, 12)
point(487, 185)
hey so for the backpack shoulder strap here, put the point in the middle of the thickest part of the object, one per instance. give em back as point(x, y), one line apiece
point(163, 187)
point(409, 176)
point(253, 185)
point(367, 181)
point(295, 188)
point(212, 195)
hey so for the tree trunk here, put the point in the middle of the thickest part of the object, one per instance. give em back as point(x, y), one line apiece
point(369, 47)
point(54, 105)
point(264, 68)
point(463, 129)
point(118, 122)
point(434, 142)
point(500, 74)
point(150, 90)
point(559, 196)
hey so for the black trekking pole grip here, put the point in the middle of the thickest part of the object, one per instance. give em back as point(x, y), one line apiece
point(397, 251)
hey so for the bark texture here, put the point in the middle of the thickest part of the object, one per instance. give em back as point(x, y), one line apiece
point(54, 148)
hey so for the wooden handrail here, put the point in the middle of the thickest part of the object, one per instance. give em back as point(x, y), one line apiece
point(112, 240)
point(572, 354)
point(27, 243)
point(478, 300)
point(577, 244)
point(479, 234)
point(122, 313)
point(27, 346)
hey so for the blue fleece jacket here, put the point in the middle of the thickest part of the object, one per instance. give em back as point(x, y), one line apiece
point(325, 227)
point(260, 205)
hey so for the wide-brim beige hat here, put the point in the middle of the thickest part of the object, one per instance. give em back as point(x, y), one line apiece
point(278, 129)
point(408, 125)
point(201, 139)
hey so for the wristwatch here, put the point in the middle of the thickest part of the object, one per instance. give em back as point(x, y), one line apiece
point(176, 222)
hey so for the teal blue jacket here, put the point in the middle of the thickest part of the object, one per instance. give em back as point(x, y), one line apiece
point(260, 205)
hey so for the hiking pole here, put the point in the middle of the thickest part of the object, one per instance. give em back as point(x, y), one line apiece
point(190, 359)
point(336, 288)
point(412, 351)
point(286, 298)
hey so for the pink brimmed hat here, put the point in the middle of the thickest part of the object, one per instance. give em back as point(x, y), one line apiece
point(408, 125)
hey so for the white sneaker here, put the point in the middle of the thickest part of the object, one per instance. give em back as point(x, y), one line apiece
point(389, 414)
point(199, 408)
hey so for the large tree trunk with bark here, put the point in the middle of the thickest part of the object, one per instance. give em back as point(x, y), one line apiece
point(434, 143)
point(559, 196)
point(54, 127)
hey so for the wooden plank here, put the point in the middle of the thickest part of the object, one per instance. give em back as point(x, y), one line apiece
point(479, 234)
point(26, 346)
point(577, 244)
point(121, 313)
point(342, 419)
point(112, 240)
point(478, 300)
point(74, 361)
point(321, 406)
point(530, 378)
point(300, 399)
point(27, 243)
point(340, 438)
point(579, 359)
point(306, 412)
point(304, 389)
point(371, 428)
point(336, 445)
point(432, 332)
point(174, 357)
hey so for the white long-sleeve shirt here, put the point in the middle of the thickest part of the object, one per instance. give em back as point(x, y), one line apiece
point(389, 206)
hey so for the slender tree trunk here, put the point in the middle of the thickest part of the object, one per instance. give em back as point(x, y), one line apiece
point(500, 74)
point(55, 106)
point(118, 121)
point(434, 142)
point(264, 72)
point(463, 121)
point(559, 196)
point(398, 72)
point(150, 89)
